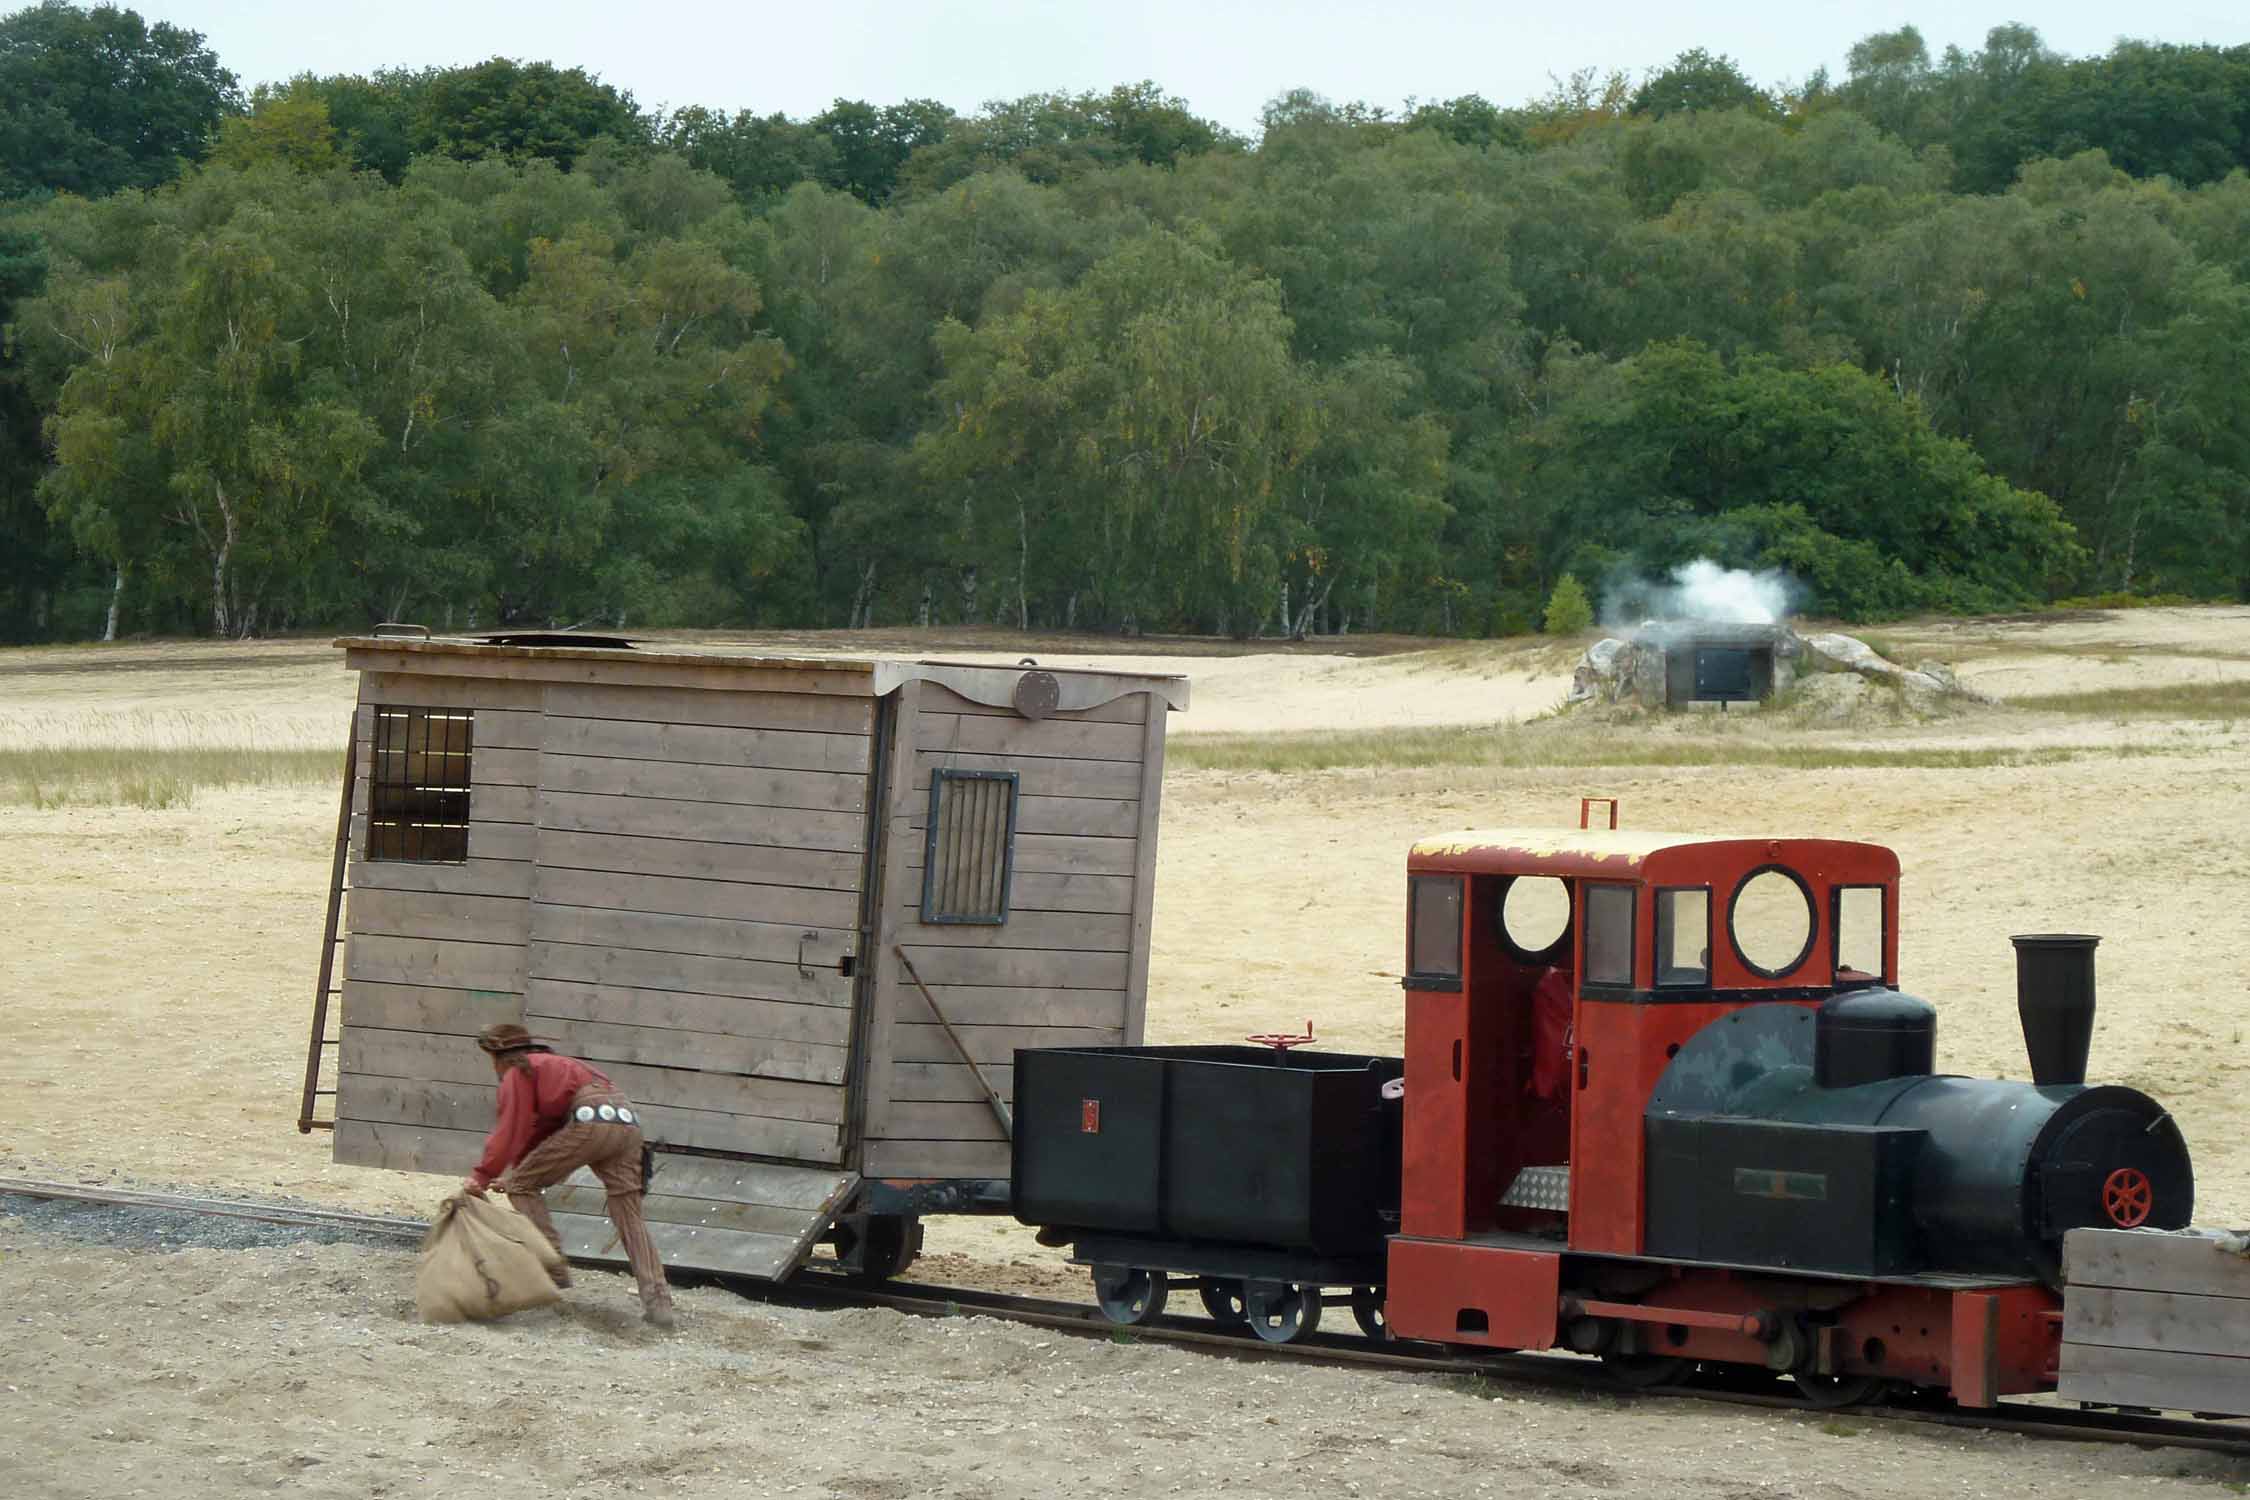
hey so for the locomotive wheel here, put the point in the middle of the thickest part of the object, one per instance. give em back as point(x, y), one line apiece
point(1638, 1372)
point(1831, 1391)
point(1281, 1312)
point(1367, 1312)
point(1127, 1294)
point(1223, 1300)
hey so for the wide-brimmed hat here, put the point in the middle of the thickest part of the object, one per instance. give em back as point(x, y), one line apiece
point(505, 1037)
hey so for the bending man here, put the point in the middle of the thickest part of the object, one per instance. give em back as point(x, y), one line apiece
point(556, 1115)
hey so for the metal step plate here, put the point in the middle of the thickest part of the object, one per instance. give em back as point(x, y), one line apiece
point(711, 1214)
point(1539, 1187)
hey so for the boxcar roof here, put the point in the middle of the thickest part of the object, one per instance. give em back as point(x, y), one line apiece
point(744, 666)
point(1613, 853)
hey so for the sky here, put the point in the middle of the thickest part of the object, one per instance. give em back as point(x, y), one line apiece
point(1226, 58)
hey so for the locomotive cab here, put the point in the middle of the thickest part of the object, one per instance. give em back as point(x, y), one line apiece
point(1551, 979)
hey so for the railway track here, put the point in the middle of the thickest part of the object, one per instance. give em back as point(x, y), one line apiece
point(816, 1289)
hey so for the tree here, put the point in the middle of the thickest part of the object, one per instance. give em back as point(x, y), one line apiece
point(1059, 137)
point(1698, 80)
point(375, 118)
point(760, 157)
point(1151, 412)
point(92, 101)
point(1569, 611)
point(1824, 471)
point(288, 126)
point(872, 144)
point(522, 112)
point(1888, 78)
point(37, 560)
point(1471, 120)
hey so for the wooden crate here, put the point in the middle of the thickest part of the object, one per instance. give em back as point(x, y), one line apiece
point(2156, 1319)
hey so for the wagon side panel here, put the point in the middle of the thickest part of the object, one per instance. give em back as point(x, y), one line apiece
point(437, 919)
point(1067, 963)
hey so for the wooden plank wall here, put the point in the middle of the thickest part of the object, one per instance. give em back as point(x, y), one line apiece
point(665, 881)
point(2157, 1320)
point(436, 952)
point(1063, 970)
point(698, 863)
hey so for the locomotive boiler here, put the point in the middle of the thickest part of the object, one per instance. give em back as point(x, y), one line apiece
point(1662, 1101)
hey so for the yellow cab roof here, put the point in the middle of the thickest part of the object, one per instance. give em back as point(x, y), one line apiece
point(1621, 853)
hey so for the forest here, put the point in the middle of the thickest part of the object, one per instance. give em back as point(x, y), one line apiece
point(494, 345)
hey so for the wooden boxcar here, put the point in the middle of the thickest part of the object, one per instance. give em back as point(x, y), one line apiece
point(699, 870)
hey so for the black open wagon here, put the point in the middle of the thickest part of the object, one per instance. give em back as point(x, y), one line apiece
point(1258, 1177)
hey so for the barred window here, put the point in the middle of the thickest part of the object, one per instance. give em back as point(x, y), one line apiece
point(418, 794)
point(971, 849)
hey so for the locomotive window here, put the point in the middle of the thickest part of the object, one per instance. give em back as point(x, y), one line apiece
point(1771, 921)
point(1683, 937)
point(1609, 934)
point(1859, 933)
point(1535, 917)
point(1433, 944)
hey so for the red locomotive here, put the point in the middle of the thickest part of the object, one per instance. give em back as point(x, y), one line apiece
point(1661, 1102)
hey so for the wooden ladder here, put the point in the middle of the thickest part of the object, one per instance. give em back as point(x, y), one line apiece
point(328, 986)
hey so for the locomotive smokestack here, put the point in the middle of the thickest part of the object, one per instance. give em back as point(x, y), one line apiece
point(2055, 1000)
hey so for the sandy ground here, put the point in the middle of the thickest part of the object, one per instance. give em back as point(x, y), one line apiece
point(155, 977)
point(301, 1370)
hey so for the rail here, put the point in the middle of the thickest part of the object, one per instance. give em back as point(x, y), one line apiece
point(817, 1289)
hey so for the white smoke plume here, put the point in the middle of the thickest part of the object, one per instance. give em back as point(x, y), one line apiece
point(1700, 590)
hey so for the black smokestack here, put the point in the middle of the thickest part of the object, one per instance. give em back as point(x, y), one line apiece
point(2055, 1000)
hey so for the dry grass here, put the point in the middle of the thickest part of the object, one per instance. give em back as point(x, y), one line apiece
point(151, 778)
point(159, 730)
point(2222, 699)
point(1551, 746)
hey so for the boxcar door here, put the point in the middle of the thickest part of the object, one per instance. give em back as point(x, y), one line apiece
point(701, 864)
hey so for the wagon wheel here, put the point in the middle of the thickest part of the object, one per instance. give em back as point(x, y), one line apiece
point(1281, 1312)
point(1831, 1391)
point(1368, 1313)
point(1223, 1300)
point(1128, 1294)
point(892, 1243)
point(1639, 1372)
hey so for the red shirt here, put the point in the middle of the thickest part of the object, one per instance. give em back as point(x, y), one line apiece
point(533, 1102)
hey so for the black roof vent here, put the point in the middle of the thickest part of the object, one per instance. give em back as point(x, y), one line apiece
point(558, 638)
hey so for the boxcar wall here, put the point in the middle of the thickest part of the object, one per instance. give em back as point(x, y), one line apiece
point(697, 873)
point(1068, 963)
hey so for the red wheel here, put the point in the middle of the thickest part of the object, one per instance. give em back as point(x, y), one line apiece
point(2127, 1197)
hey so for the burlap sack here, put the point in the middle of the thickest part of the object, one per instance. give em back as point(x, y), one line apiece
point(480, 1260)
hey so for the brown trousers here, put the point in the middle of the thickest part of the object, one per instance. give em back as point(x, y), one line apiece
point(612, 1151)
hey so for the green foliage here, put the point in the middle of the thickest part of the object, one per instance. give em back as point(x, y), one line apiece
point(1825, 473)
point(497, 110)
point(289, 127)
point(1698, 80)
point(96, 100)
point(1569, 611)
point(1058, 137)
point(487, 344)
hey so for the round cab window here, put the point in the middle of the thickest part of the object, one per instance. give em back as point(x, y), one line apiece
point(1771, 920)
point(1535, 915)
